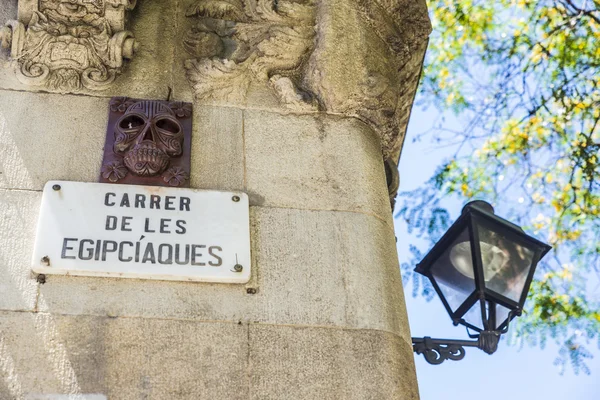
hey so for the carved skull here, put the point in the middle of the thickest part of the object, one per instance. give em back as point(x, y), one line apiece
point(147, 136)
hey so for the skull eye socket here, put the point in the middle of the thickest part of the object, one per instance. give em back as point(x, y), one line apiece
point(168, 125)
point(131, 122)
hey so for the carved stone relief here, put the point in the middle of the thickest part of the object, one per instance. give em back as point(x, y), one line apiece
point(147, 143)
point(237, 42)
point(359, 58)
point(67, 45)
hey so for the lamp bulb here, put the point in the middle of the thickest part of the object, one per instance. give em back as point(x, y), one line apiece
point(493, 259)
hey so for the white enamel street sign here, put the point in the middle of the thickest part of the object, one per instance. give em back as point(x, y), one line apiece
point(146, 232)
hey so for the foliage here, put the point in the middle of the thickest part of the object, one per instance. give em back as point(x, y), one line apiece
point(523, 78)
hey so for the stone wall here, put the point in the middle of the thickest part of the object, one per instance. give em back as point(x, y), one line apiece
point(323, 315)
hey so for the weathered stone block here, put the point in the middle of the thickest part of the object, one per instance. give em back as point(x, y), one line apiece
point(149, 75)
point(328, 268)
point(18, 213)
point(121, 358)
point(304, 162)
point(45, 137)
point(130, 358)
point(317, 363)
point(218, 149)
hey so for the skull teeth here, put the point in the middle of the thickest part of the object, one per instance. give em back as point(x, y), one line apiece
point(146, 160)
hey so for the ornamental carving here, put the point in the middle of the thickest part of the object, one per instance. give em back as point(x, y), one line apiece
point(67, 45)
point(238, 42)
point(147, 142)
point(359, 58)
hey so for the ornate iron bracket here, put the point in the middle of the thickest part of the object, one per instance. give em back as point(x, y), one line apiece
point(436, 351)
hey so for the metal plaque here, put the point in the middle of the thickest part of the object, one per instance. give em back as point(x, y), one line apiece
point(147, 232)
point(148, 142)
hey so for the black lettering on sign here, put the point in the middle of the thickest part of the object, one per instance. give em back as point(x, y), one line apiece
point(125, 200)
point(111, 223)
point(155, 201)
point(180, 227)
point(149, 254)
point(107, 201)
point(164, 225)
point(126, 251)
point(195, 254)
point(184, 204)
point(140, 201)
point(125, 224)
point(212, 250)
point(106, 249)
point(66, 247)
point(89, 250)
point(121, 245)
point(165, 254)
point(169, 202)
point(178, 252)
point(97, 253)
point(137, 251)
point(147, 227)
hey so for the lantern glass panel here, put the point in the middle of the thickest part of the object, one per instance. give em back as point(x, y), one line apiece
point(506, 263)
point(450, 271)
point(473, 316)
point(501, 315)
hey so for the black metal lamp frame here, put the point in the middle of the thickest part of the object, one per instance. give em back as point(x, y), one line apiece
point(475, 214)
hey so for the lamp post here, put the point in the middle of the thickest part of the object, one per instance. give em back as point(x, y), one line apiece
point(481, 269)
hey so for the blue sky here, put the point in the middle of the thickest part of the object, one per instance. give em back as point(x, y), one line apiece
point(526, 374)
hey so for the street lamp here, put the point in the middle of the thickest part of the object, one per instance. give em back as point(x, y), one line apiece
point(481, 269)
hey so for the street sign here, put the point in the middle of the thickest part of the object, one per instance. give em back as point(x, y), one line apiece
point(146, 232)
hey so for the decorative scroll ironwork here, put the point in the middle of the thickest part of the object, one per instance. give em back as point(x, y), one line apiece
point(437, 353)
point(147, 142)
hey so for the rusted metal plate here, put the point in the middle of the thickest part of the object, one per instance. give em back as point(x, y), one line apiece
point(148, 142)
